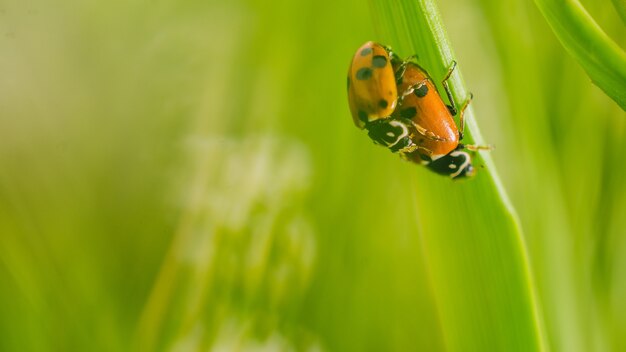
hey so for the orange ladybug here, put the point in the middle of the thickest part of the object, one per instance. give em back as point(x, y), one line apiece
point(372, 90)
point(437, 138)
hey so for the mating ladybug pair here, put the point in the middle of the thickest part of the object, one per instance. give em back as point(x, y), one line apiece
point(398, 104)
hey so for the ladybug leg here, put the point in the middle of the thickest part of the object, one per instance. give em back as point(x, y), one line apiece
point(425, 151)
point(462, 116)
point(452, 107)
point(444, 83)
point(401, 65)
point(426, 133)
point(410, 90)
point(413, 147)
point(396, 61)
point(412, 58)
point(476, 148)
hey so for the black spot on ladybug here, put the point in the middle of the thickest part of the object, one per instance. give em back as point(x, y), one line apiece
point(383, 103)
point(420, 141)
point(421, 91)
point(362, 115)
point(364, 73)
point(366, 51)
point(379, 61)
point(408, 113)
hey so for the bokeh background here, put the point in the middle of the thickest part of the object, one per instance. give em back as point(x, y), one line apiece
point(185, 175)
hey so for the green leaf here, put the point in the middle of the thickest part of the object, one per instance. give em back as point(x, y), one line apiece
point(582, 37)
point(473, 244)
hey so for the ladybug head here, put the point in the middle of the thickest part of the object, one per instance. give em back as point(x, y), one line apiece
point(457, 164)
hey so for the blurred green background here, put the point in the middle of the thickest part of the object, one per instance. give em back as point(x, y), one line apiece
point(185, 175)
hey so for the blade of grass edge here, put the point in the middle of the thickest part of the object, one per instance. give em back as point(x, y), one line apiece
point(584, 40)
point(417, 25)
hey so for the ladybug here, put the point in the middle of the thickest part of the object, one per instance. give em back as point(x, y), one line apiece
point(372, 89)
point(437, 138)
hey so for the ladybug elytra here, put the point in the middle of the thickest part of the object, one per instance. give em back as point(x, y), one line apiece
point(372, 86)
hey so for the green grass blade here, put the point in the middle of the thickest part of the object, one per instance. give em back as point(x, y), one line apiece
point(599, 55)
point(620, 7)
point(476, 257)
point(185, 176)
